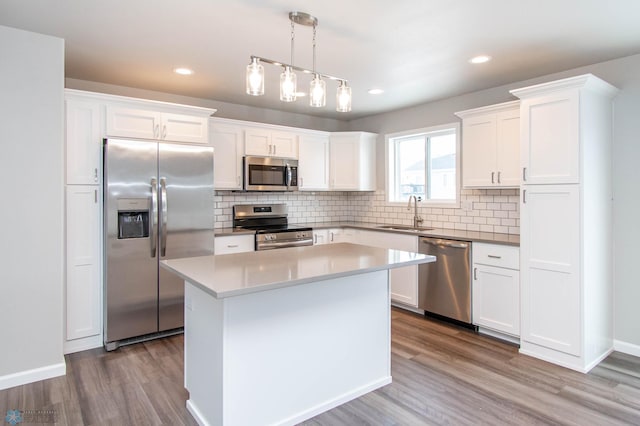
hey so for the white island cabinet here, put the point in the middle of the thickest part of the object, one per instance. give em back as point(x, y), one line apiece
point(278, 336)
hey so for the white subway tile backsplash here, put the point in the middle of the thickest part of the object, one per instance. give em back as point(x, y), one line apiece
point(493, 210)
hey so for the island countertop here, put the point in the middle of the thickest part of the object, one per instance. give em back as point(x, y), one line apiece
point(244, 273)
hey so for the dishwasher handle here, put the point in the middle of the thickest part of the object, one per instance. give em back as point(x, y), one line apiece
point(445, 243)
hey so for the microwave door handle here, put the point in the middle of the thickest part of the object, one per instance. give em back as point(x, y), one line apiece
point(153, 228)
point(289, 176)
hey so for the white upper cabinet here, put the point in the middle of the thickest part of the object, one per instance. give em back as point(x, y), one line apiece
point(353, 161)
point(270, 143)
point(228, 143)
point(491, 146)
point(83, 141)
point(550, 138)
point(141, 123)
point(313, 162)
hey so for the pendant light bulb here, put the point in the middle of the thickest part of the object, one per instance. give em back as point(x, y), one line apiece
point(343, 97)
point(255, 78)
point(288, 83)
point(317, 92)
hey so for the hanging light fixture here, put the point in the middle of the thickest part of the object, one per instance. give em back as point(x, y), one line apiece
point(343, 97)
point(255, 77)
point(288, 79)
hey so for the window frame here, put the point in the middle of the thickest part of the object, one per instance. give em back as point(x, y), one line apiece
point(415, 132)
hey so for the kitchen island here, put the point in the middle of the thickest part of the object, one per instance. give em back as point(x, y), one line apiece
point(279, 336)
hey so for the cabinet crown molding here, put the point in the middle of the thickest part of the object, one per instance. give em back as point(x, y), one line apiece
point(587, 81)
point(139, 103)
point(505, 106)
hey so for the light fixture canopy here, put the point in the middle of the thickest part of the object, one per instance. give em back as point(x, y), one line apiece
point(288, 79)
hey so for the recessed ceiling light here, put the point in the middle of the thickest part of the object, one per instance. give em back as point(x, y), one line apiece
point(480, 59)
point(183, 71)
point(375, 91)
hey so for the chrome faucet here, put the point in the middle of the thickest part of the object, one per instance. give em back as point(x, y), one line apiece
point(417, 220)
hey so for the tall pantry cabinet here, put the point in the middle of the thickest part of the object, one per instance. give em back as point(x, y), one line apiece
point(566, 221)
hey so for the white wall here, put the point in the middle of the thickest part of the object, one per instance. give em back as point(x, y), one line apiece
point(31, 173)
point(624, 73)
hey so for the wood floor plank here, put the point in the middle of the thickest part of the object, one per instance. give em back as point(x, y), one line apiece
point(442, 375)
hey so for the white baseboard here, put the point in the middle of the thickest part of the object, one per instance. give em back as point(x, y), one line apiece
point(197, 415)
point(627, 348)
point(30, 376)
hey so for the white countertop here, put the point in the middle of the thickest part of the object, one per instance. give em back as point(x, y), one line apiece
point(244, 273)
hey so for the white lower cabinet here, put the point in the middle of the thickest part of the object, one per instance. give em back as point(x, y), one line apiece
point(227, 244)
point(83, 284)
point(320, 236)
point(404, 281)
point(496, 288)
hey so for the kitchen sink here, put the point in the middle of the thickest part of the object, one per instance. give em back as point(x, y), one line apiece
point(404, 228)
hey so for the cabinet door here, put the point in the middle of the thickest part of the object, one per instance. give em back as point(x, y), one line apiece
point(550, 138)
point(133, 123)
point(496, 298)
point(83, 290)
point(284, 144)
point(83, 142)
point(479, 151)
point(228, 244)
point(320, 236)
point(345, 162)
point(549, 266)
point(184, 128)
point(257, 142)
point(228, 143)
point(313, 163)
point(508, 149)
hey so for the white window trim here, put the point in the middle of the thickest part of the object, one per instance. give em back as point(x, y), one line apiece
point(424, 203)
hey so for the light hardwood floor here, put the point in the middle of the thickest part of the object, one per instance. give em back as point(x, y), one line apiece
point(442, 375)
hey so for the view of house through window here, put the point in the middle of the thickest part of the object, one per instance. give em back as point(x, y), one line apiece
point(424, 163)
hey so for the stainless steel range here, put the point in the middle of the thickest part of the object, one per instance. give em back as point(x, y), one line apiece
point(271, 225)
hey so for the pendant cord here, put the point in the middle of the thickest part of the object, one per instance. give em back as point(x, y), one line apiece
point(314, 49)
point(292, 40)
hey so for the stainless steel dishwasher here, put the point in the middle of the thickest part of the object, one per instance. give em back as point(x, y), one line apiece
point(444, 286)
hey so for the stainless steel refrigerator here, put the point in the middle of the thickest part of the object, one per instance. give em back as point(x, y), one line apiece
point(158, 204)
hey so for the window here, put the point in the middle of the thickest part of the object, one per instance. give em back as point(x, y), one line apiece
point(424, 163)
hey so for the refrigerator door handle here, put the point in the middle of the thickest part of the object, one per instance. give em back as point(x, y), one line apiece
point(153, 231)
point(163, 213)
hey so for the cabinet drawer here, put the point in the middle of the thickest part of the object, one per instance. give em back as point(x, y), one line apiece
point(499, 255)
point(234, 244)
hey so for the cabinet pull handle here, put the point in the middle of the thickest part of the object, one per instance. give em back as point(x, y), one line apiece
point(232, 245)
point(270, 149)
point(524, 196)
point(156, 131)
point(238, 180)
point(493, 256)
point(524, 174)
point(95, 196)
point(274, 149)
point(164, 131)
point(499, 177)
point(475, 274)
point(492, 176)
point(315, 238)
point(95, 174)
point(331, 236)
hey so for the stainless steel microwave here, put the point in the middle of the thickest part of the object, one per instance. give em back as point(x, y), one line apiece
point(270, 174)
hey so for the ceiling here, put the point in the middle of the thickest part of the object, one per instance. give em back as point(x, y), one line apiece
point(416, 50)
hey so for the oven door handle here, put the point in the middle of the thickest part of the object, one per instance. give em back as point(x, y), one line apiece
point(283, 244)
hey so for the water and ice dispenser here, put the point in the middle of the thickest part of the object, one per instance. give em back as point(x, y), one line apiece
point(133, 218)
